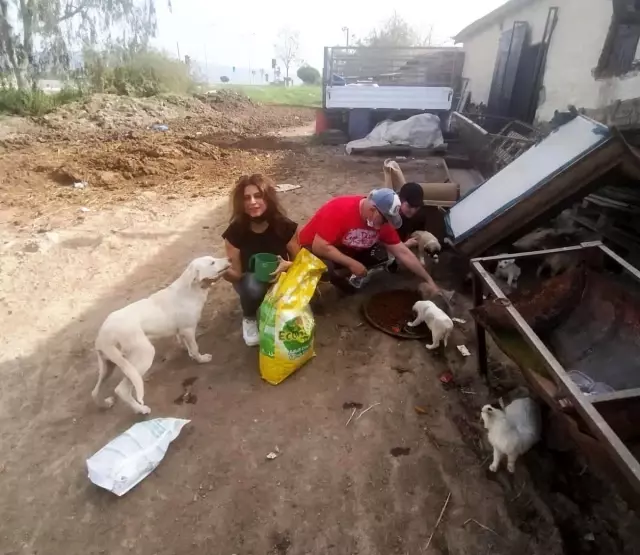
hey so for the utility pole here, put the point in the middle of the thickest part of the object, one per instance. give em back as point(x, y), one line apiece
point(345, 30)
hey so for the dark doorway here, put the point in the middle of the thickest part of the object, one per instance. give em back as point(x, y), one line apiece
point(523, 91)
point(518, 72)
point(510, 48)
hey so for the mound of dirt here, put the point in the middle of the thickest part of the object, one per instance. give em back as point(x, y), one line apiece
point(217, 111)
point(224, 99)
point(109, 164)
point(104, 150)
point(107, 111)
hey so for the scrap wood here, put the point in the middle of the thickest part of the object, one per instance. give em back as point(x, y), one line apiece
point(444, 508)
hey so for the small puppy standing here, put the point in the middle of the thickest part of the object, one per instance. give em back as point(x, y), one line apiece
point(436, 320)
point(512, 431)
point(509, 270)
point(427, 242)
point(124, 338)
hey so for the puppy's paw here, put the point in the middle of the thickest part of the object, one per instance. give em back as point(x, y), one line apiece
point(109, 402)
point(493, 467)
point(431, 347)
point(144, 409)
point(203, 359)
point(511, 467)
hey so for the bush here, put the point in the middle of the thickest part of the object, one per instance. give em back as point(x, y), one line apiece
point(224, 79)
point(34, 102)
point(309, 75)
point(142, 74)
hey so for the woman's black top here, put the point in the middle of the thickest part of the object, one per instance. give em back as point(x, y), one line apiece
point(272, 240)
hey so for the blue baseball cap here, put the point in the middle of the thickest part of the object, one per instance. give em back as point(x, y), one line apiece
point(388, 203)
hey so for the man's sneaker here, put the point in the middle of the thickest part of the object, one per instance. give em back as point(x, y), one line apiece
point(250, 332)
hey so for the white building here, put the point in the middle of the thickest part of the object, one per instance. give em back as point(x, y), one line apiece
point(592, 58)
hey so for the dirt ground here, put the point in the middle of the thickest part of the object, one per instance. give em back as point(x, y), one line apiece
point(335, 488)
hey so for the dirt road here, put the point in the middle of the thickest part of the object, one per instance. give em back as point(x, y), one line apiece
point(335, 489)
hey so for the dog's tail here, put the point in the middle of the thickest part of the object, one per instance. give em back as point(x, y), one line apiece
point(129, 370)
point(105, 369)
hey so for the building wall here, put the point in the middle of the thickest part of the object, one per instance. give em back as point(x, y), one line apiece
point(574, 52)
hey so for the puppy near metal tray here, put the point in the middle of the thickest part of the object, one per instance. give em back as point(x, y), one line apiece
point(391, 311)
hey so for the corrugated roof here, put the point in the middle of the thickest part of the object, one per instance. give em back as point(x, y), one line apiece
point(481, 24)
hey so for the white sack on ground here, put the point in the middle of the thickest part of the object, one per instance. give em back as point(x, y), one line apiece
point(132, 456)
point(421, 131)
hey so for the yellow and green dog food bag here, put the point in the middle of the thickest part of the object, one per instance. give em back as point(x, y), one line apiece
point(286, 322)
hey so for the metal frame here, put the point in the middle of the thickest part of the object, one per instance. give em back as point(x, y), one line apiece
point(585, 406)
point(407, 66)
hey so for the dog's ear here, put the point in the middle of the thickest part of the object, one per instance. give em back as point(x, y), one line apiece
point(193, 274)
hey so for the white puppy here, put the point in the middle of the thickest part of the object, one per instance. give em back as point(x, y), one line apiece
point(124, 338)
point(509, 270)
point(427, 242)
point(437, 321)
point(512, 431)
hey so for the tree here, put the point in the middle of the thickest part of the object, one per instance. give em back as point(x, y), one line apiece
point(287, 48)
point(224, 79)
point(39, 35)
point(308, 75)
point(395, 31)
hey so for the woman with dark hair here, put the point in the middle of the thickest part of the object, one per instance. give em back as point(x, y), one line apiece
point(258, 225)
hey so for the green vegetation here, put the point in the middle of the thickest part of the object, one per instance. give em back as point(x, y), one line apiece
point(146, 73)
point(309, 75)
point(141, 74)
point(34, 102)
point(303, 95)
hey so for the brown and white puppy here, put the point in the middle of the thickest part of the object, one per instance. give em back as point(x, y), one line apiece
point(124, 338)
point(427, 242)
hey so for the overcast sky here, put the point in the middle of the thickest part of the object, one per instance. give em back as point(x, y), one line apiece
point(243, 33)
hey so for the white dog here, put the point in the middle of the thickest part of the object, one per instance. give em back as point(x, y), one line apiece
point(509, 270)
point(512, 431)
point(437, 321)
point(427, 242)
point(124, 338)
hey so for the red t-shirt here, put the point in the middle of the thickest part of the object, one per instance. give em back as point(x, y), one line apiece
point(339, 223)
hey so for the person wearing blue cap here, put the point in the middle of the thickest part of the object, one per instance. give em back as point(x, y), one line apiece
point(348, 231)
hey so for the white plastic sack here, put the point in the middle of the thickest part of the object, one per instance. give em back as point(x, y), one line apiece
point(421, 131)
point(129, 458)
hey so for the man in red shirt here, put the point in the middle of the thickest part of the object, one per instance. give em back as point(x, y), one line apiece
point(345, 232)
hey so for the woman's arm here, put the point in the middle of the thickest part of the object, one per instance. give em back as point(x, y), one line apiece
point(293, 248)
point(234, 273)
